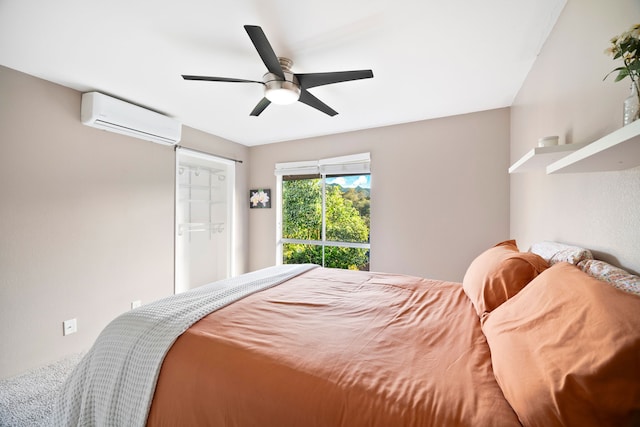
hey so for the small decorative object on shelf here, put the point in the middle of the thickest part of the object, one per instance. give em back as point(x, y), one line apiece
point(626, 46)
point(548, 141)
point(632, 105)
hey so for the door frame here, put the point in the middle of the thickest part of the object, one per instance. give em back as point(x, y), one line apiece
point(181, 153)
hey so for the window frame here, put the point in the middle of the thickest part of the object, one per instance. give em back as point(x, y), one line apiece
point(357, 164)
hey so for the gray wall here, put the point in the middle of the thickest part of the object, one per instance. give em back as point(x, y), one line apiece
point(86, 219)
point(440, 191)
point(564, 95)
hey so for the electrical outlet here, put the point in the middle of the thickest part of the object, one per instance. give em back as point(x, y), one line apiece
point(135, 304)
point(69, 326)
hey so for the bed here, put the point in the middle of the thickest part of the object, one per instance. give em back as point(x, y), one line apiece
point(547, 337)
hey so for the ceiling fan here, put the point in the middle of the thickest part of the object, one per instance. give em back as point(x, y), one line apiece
point(281, 86)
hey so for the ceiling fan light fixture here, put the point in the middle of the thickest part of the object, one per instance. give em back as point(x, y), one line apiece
point(281, 92)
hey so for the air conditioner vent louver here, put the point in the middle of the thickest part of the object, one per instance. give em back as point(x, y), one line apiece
point(112, 114)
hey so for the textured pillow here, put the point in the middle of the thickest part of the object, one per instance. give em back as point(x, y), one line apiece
point(617, 277)
point(566, 351)
point(498, 274)
point(554, 252)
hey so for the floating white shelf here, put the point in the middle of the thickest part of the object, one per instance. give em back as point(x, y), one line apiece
point(616, 151)
point(538, 158)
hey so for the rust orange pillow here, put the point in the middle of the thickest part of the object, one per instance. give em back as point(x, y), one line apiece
point(498, 274)
point(566, 351)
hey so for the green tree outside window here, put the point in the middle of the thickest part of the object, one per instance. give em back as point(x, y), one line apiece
point(346, 220)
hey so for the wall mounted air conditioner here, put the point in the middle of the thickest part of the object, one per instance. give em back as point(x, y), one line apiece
point(112, 114)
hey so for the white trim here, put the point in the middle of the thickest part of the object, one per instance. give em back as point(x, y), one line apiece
point(231, 218)
point(351, 164)
point(324, 215)
point(327, 243)
point(297, 168)
point(279, 244)
point(354, 164)
point(176, 193)
point(345, 169)
point(353, 158)
point(230, 228)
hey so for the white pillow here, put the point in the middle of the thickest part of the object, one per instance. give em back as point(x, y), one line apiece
point(555, 252)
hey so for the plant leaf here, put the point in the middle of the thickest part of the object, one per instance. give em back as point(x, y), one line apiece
point(623, 73)
point(613, 71)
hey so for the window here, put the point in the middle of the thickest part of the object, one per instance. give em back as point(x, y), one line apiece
point(323, 212)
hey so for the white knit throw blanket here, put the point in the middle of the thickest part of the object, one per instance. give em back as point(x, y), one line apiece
point(114, 383)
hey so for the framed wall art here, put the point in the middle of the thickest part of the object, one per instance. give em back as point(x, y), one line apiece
point(260, 199)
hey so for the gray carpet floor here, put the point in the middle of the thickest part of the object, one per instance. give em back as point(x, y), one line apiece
point(27, 400)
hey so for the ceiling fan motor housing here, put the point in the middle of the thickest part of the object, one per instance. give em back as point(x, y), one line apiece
point(280, 91)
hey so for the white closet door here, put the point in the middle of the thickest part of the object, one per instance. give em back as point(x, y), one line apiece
point(204, 204)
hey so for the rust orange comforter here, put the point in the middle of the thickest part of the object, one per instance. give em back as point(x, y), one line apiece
point(335, 348)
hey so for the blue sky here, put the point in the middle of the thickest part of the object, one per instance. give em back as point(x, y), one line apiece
point(363, 181)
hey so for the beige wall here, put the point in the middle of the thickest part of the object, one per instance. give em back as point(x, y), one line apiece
point(86, 216)
point(439, 191)
point(86, 219)
point(564, 95)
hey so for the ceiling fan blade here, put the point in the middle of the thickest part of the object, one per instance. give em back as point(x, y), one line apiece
point(219, 79)
point(307, 98)
point(264, 50)
point(320, 79)
point(264, 103)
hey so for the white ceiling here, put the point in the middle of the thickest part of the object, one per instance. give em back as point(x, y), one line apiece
point(430, 58)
